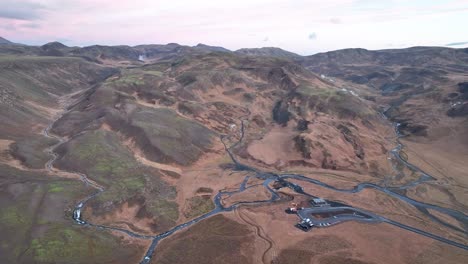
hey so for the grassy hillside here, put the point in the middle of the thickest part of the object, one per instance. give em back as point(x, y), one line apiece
point(101, 156)
point(36, 226)
point(30, 87)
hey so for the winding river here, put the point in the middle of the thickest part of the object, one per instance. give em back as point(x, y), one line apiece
point(267, 178)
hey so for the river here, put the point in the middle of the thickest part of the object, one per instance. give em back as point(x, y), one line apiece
point(267, 178)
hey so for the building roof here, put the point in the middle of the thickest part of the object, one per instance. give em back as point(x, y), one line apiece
point(319, 200)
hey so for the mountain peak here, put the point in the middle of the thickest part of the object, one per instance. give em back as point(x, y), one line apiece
point(210, 48)
point(54, 45)
point(268, 51)
point(5, 41)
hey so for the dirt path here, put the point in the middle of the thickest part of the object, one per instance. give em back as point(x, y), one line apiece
point(266, 259)
point(140, 157)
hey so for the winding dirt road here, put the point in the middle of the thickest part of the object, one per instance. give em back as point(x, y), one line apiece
point(268, 177)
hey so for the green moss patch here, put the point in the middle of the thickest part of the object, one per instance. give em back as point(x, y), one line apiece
point(13, 217)
point(198, 205)
point(72, 244)
point(55, 188)
point(36, 224)
point(100, 155)
point(167, 210)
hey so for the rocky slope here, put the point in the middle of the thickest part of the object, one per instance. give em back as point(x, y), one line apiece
point(4, 41)
point(423, 89)
point(268, 52)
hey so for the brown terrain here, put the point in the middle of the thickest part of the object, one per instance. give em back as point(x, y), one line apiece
point(138, 148)
point(261, 241)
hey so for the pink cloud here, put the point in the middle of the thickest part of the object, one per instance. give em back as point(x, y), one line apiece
point(233, 24)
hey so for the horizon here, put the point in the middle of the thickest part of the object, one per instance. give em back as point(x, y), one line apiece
point(97, 44)
point(302, 27)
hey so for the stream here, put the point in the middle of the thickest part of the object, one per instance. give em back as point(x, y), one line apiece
point(267, 178)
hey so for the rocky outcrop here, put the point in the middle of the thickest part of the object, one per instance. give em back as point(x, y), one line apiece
point(458, 110)
point(302, 124)
point(281, 114)
point(353, 140)
point(303, 145)
point(463, 88)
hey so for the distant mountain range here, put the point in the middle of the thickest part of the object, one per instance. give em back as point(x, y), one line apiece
point(127, 52)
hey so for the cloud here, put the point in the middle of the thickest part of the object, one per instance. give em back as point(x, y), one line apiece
point(20, 10)
point(265, 39)
point(457, 43)
point(31, 25)
point(313, 36)
point(18, 25)
point(7, 26)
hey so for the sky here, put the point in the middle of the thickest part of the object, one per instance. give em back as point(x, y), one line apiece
point(302, 26)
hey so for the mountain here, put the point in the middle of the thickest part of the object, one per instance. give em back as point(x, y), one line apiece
point(268, 51)
point(178, 154)
point(415, 56)
point(53, 49)
point(401, 77)
point(123, 55)
point(4, 41)
point(53, 45)
point(420, 89)
point(211, 48)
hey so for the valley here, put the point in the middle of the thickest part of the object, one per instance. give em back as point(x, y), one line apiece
point(193, 154)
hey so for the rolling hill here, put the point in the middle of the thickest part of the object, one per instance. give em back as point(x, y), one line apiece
point(166, 153)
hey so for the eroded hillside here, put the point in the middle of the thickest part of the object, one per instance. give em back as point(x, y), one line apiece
point(112, 149)
point(423, 91)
